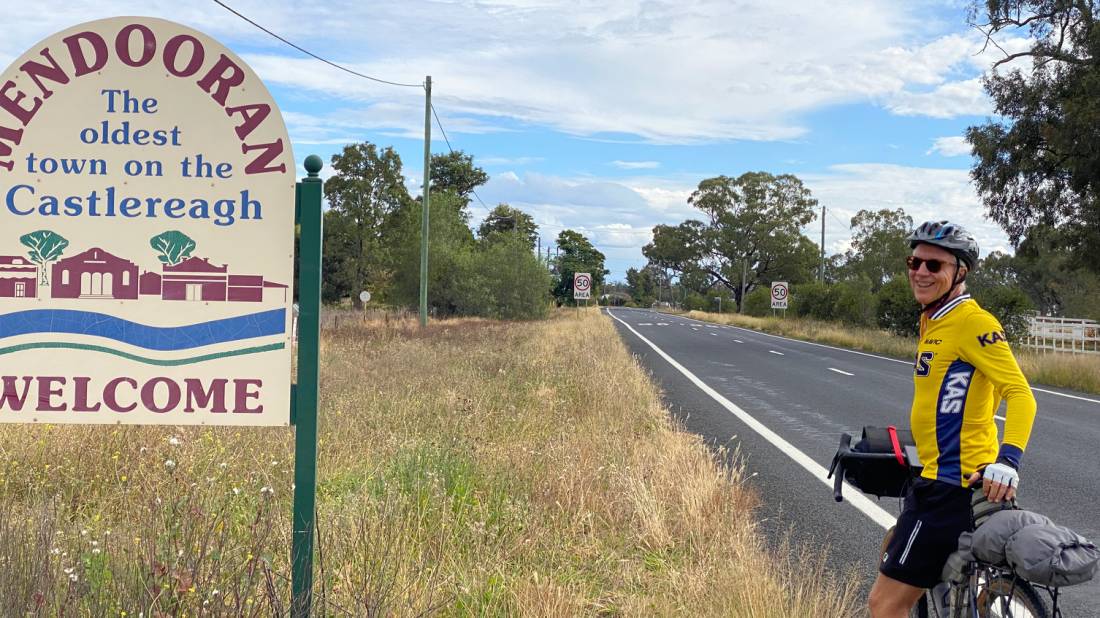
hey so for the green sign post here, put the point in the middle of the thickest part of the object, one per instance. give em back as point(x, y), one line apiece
point(304, 410)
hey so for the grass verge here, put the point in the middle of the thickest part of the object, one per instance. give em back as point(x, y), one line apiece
point(476, 468)
point(1076, 372)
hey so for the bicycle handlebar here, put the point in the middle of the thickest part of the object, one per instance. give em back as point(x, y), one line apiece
point(845, 453)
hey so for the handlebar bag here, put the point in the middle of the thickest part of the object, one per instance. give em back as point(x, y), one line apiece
point(882, 477)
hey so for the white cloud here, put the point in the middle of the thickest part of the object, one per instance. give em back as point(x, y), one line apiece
point(667, 71)
point(957, 98)
point(616, 215)
point(951, 146)
point(619, 215)
point(924, 193)
point(636, 165)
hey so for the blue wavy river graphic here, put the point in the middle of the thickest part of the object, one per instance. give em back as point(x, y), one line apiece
point(157, 338)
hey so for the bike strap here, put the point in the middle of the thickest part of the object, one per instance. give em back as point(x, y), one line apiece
point(896, 444)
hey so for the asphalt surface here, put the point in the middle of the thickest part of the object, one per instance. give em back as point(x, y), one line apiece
point(792, 400)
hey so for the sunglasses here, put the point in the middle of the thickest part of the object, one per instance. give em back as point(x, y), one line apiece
point(933, 266)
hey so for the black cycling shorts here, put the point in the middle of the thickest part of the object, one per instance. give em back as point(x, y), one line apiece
point(927, 532)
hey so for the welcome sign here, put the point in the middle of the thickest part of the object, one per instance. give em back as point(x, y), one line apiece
point(146, 232)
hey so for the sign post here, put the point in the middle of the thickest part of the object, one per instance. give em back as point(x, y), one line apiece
point(306, 391)
point(780, 293)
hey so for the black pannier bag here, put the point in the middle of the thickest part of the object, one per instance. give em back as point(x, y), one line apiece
point(885, 476)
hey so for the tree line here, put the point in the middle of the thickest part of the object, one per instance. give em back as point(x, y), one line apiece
point(1036, 168)
point(751, 235)
point(372, 242)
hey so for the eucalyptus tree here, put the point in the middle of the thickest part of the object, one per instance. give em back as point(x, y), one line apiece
point(366, 190)
point(1036, 162)
point(751, 231)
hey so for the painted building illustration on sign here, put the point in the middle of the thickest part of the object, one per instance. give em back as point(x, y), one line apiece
point(18, 277)
point(197, 279)
point(96, 273)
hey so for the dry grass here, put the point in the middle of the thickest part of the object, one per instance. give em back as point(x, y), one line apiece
point(872, 340)
point(480, 468)
point(1076, 372)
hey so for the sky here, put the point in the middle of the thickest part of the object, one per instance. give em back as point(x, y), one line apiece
point(602, 116)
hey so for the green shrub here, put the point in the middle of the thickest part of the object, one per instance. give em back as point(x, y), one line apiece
point(896, 309)
point(759, 302)
point(695, 301)
point(813, 300)
point(855, 304)
point(1010, 306)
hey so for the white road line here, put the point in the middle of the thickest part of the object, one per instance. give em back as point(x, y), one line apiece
point(876, 513)
point(1043, 390)
point(739, 341)
point(886, 358)
point(839, 371)
point(774, 352)
point(714, 334)
point(693, 328)
point(645, 323)
point(820, 345)
point(662, 323)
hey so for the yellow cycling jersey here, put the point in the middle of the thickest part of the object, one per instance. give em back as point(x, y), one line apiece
point(963, 369)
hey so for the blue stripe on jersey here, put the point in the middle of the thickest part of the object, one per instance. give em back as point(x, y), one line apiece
point(1011, 454)
point(949, 419)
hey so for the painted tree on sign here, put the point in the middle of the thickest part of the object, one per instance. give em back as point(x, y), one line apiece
point(45, 246)
point(174, 247)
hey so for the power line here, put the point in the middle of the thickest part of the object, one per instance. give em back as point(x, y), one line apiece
point(355, 73)
point(847, 225)
point(439, 123)
point(313, 55)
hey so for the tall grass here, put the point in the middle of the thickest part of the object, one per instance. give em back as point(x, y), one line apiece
point(1077, 372)
point(476, 468)
point(873, 340)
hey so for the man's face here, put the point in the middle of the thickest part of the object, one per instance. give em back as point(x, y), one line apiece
point(928, 286)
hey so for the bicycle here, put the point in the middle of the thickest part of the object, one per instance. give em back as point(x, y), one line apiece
point(985, 590)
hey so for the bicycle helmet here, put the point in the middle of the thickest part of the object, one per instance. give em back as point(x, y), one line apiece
point(950, 236)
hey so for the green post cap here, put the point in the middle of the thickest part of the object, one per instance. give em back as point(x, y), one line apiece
point(313, 165)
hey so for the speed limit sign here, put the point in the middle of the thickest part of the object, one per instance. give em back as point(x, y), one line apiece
point(582, 286)
point(780, 292)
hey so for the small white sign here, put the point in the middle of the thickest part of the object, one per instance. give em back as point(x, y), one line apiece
point(582, 286)
point(364, 296)
point(780, 292)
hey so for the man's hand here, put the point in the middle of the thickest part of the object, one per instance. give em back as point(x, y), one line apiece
point(998, 483)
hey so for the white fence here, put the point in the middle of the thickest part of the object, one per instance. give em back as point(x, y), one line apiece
point(1066, 335)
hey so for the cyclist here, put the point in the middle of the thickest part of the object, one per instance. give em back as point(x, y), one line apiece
point(963, 369)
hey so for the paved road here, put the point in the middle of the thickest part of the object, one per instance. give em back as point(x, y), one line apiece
point(784, 404)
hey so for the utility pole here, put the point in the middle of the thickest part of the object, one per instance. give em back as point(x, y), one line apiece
point(822, 276)
point(427, 191)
